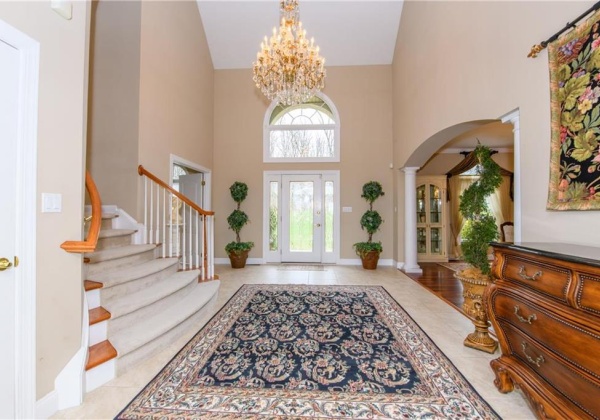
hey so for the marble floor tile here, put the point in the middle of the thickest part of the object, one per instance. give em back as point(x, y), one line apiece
point(446, 326)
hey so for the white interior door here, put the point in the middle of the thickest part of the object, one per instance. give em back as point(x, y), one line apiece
point(302, 221)
point(192, 186)
point(9, 86)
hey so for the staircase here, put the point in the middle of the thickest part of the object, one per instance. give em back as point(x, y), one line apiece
point(138, 303)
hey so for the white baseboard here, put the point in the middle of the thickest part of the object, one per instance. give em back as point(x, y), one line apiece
point(400, 265)
point(249, 261)
point(387, 262)
point(349, 261)
point(46, 406)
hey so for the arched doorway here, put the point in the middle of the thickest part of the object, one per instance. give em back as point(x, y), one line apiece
point(435, 157)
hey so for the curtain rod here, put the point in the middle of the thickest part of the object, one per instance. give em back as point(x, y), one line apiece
point(570, 25)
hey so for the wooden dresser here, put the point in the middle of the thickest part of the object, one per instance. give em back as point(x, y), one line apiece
point(545, 308)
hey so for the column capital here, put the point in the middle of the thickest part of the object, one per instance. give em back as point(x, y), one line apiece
point(511, 117)
point(410, 169)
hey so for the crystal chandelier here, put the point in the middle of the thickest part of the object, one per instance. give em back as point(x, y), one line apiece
point(288, 67)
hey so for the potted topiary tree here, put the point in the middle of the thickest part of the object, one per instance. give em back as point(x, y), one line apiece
point(370, 221)
point(238, 250)
point(480, 230)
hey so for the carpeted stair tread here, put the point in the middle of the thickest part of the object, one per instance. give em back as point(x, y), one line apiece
point(111, 233)
point(152, 327)
point(98, 314)
point(125, 274)
point(100, 353)
point(116, 253)
point(146, 296)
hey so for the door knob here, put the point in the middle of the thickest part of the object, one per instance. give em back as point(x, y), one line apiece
point(318, 225)
point(4, 264)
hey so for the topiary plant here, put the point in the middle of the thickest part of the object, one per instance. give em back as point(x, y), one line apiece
point(480, 228)
point(370, 221)
point(237, 220)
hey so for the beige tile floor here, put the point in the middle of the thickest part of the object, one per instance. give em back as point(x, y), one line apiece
point(446, 326)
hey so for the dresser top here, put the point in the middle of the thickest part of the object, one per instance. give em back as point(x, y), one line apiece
point(567, 252)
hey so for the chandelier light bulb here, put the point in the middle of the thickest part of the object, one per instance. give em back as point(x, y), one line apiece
point(287, 68)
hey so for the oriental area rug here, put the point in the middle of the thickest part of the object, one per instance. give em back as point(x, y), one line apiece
point(302, 351)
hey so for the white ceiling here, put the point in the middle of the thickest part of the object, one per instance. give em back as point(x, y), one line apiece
point(349, 33)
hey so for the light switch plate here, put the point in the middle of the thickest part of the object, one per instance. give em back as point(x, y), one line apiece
point(51, 203)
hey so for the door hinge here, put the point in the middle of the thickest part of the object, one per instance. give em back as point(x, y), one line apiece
point(203, 183)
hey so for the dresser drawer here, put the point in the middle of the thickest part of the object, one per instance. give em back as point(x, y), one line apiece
point(588, 293)
point(549, 279)
point(570, 340)
point(577, 389)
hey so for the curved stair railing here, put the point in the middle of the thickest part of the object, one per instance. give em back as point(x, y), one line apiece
point(178, 224)
point(90, 242)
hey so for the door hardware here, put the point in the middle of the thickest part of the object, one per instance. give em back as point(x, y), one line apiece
point(4, 264)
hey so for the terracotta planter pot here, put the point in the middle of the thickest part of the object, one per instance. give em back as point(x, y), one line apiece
point(369, 260)
point(238, 260)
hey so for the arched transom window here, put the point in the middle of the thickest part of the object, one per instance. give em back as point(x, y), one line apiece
point(308, 132)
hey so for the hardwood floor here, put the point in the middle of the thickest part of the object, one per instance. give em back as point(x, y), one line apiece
point(440, 281)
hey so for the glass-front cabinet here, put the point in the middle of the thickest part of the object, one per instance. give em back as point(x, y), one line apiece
point(431, 218)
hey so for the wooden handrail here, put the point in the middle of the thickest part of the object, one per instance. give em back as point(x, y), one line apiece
point(143, 171)
point(90, 242)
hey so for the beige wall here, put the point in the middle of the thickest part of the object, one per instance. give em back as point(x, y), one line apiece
point(114, 101)
point(152, 96)
point(362, 96)
point(60, 155)
point(464, 61)
point(176, 87)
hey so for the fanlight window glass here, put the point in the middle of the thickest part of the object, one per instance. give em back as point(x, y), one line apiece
point(305, 132)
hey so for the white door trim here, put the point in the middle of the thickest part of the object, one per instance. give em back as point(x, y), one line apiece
point(514, 118)
point(268, 176)
point(207, 177)
point(25, 274)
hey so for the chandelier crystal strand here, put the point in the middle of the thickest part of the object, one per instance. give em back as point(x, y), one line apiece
point(288, 68)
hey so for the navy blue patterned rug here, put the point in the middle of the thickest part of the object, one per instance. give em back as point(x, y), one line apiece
point(301, 351)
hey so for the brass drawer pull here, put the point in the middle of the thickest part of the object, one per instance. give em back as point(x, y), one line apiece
point(524, 275)
point(528, 320)
point(537, 361)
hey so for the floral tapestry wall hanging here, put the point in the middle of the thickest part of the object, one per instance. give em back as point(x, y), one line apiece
point(575, 105)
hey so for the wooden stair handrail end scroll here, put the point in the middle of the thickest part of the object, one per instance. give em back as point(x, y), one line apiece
point(89, 245)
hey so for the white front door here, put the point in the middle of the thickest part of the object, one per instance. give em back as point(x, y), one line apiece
point(302, 218)
point(9, 88)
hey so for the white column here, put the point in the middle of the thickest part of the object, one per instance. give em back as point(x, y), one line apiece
point(410, 220)
point(513, 118)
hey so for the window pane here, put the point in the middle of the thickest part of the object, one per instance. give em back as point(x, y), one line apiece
point(304, 116)
point(301, 216)
point(328, 216)
point(301, 143)
point(436, 241)
point(273, 217)
point(435, 204)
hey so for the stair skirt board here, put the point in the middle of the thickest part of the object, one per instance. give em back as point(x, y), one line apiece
point(100, 375)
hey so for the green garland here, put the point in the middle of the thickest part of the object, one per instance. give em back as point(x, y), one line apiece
point(481, 227)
